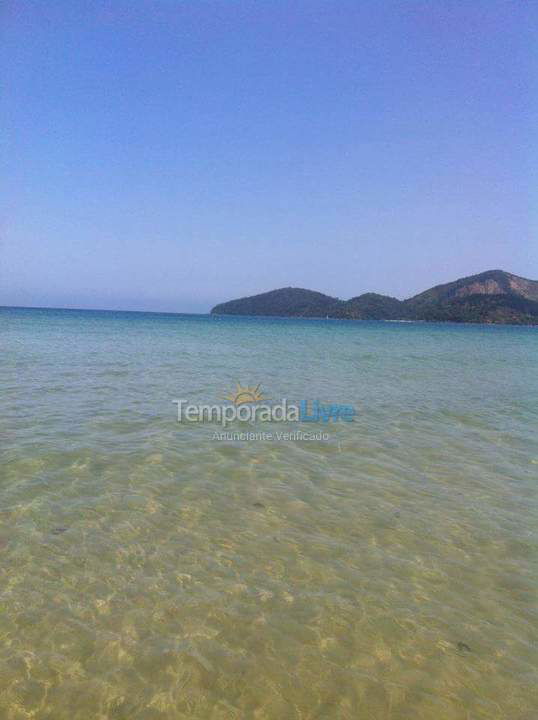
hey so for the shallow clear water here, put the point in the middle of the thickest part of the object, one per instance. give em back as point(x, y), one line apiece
point(148, 571)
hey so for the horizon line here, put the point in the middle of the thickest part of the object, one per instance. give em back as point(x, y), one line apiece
point(79, 309)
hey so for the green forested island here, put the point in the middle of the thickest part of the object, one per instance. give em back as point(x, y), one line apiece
point(494, 296)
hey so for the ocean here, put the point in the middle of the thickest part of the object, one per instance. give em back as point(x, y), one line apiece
point(380, 568)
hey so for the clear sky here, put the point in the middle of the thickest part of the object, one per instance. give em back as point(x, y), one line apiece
point(172, 154)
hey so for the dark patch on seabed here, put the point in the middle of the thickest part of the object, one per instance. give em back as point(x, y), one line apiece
point(463, 647)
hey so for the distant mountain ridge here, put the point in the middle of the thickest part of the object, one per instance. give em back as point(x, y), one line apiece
point(494, 296)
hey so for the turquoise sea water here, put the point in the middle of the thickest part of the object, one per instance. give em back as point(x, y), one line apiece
point(149, 571)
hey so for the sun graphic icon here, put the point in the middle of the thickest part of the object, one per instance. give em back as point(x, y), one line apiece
point(245, 394)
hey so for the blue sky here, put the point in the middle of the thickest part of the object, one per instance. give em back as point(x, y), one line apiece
point(169, 155)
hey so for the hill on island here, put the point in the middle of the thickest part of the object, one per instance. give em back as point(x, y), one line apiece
point(284, 302)
point(494, 296)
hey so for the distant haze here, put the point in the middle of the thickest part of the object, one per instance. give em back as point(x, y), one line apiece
point(173, 155)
